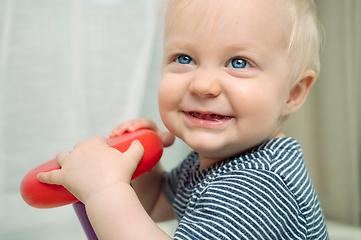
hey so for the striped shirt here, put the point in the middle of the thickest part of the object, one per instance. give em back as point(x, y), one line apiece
point(265, 193)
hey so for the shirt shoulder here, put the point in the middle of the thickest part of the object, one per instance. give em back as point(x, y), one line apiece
point(273, 184)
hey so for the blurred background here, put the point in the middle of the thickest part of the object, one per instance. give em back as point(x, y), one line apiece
point(71, 69)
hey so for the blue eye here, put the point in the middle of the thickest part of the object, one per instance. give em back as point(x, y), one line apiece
point(239, 63)
point(184, 59)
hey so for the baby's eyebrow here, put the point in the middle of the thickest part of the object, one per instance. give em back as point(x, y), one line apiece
point(246, 46)
point(177, 44)
point(228, 46)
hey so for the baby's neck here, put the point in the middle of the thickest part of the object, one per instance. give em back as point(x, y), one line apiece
point(206, 162)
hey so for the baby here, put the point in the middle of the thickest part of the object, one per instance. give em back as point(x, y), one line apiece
point(232, 72)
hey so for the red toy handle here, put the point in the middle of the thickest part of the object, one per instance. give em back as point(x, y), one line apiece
point(41, 195)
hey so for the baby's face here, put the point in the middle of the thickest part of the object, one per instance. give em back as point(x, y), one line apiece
point(225, 75)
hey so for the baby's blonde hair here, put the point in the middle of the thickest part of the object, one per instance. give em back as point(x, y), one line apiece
point(306, 36)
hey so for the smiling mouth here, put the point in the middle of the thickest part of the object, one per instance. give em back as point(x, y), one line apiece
point(208, 117)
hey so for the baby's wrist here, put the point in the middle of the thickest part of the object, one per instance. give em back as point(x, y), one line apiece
point(103, 194)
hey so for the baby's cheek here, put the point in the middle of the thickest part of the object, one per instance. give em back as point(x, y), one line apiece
point(166, 92)
point(165, 110)
point(169, 96)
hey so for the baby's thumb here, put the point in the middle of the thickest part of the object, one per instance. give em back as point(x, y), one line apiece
point(52, 177)
point(135, 151)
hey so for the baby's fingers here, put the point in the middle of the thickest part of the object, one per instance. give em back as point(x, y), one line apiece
point(142, 123)
point(61, 157)
point(167, 138)
point(52, 177)
point(119, 130)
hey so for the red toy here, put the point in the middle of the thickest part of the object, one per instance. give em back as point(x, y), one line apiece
point(41, 195)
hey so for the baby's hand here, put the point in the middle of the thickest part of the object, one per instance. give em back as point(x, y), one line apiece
point(135, 124)
point(93, 166)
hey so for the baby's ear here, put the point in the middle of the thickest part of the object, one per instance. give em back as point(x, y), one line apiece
point(299, 92)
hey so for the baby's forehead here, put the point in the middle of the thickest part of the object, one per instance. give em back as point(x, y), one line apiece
point(203, 8)
point(219, 17)
point(203, 14)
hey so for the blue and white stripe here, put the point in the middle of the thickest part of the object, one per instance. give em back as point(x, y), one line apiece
point(266, 193)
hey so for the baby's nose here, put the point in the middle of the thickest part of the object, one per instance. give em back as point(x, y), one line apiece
point(205, 84)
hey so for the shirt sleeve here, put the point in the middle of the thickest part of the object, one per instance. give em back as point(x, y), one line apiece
point(170, 180)
point(170, 184)
point(244, 204)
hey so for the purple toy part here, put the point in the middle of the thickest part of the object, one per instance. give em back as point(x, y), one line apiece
point(84, 220)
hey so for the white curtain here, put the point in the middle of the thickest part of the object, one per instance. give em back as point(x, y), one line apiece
point(69, 69)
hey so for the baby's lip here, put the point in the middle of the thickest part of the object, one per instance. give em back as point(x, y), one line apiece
point(208, 116)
